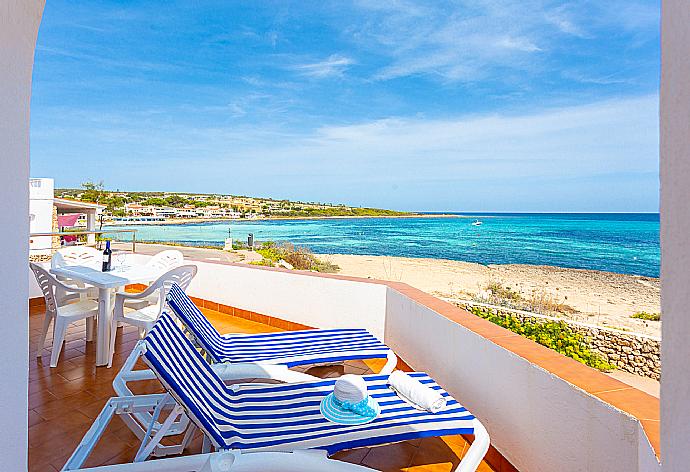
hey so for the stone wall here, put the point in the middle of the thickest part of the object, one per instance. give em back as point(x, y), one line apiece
point(635, 353)
point(56, 239)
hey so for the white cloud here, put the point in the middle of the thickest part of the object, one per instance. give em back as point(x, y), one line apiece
point(591, 153)
point(104, 61)
point(461, 43)
point(471, 39)
point(610, 79)
point(617, 135)
point(334, 65)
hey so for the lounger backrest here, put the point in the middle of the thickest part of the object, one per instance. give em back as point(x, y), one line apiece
point(185, 374)
point(204, 332)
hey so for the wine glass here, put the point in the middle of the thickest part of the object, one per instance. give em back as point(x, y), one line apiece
point(121, 258)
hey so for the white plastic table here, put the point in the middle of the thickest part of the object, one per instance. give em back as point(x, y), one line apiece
point(107, 283)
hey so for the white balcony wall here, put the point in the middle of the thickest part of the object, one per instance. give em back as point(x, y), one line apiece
point(19, 20)
point(675, 228)
point(536, 420)
point(314, 301)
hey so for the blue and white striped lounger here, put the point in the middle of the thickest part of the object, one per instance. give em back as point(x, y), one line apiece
point(289, 348)
point(286, 417)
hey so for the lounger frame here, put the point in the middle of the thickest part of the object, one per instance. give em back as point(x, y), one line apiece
point(137, 421)
point(141, 419)
point(236, 461)
point(145, 416)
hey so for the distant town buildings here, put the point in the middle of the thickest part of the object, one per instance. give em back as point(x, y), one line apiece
point(137, 210)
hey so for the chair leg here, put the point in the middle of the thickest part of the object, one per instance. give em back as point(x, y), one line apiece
point(58, 339)
point(113, 334)
point(44, 333)
point(89, 328)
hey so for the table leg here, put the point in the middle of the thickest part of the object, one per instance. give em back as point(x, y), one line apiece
point(105, 312)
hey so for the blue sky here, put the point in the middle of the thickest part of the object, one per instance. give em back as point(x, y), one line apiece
point(495, 105)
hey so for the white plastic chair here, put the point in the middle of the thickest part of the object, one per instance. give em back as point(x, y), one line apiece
point(144, 318)
point(62, 315)
point(79, 255)
point(166, 260)
point(163, 261)
point(76, 255)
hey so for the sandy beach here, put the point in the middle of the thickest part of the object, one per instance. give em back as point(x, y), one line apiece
point(595, 297)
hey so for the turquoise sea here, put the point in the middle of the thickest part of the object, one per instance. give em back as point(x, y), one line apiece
point(625, 243)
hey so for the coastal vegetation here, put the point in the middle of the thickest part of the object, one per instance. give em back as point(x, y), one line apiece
point(297, 257)
point(536, 301)
point(643, 315)
point(339, 211)
point(503, 293)
point(555, 335)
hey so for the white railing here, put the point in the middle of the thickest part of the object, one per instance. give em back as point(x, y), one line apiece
point(47, 238)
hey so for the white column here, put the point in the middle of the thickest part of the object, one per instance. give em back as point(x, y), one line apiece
point(91, 226)
point(19, 20)
point(675, 235)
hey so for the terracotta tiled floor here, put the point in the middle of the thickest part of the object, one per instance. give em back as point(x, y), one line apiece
point(64, 401)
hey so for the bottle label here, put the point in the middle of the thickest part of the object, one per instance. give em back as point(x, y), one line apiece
point(105, 258)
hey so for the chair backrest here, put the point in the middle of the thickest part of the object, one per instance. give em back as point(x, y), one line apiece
point(185, 374)
point(179, 276)
point(165, 260)
point(48, 285)
point(76, 255)
point(203, 331)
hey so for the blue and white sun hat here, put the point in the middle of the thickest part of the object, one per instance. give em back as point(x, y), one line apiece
point(350, 403)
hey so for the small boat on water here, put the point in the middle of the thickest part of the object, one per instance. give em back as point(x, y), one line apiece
point(477, 223)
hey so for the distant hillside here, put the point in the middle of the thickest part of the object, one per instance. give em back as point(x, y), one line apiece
point(117, 203)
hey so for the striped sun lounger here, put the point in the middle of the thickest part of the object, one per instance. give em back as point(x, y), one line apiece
point(286, 417)
point(289, 348)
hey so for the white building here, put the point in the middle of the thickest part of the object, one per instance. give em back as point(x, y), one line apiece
point(135, 209)
point(43, 206)
point(186, 212)
point(40, 215)
point(164, 212)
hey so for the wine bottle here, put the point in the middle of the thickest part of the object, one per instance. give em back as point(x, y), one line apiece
point(107, 257)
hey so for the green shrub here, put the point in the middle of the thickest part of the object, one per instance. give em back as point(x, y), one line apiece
point(643, 315)
point(239, 245)
point(555, 335)
point(506, 293)
point(270, 251)
point(298, 257)
point(338, 211)
point(262, 262)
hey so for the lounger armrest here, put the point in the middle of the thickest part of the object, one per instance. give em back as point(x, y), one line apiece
point(391, 363)
point(478, 449)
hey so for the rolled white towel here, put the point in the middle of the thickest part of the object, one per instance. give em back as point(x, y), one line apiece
point(416, 393)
